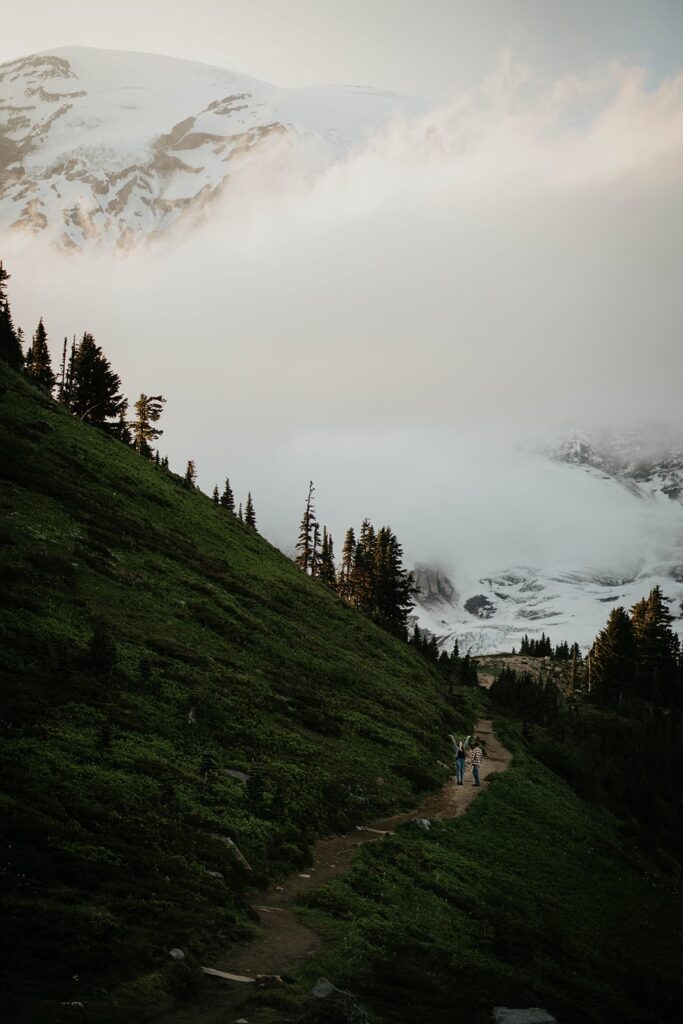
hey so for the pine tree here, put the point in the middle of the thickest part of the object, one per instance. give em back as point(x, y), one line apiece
point(228, 498)
point(315, 550)
point(10, 343)
point(148, 410)
point(346, 567)
point(61, 384)
point(613, 660)
point(215, 496)
point(120, 429)
point(249, 514)
point(191, 475)
point(94, 387)
point(657, 650)
point(306, 527)
point(326, 572)
point(38, 365)
point(239, 514)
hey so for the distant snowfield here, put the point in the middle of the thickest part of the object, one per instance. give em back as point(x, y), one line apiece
point(103, 146)
point(567, 599)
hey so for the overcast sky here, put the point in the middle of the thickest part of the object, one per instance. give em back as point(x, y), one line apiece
point(427, 47)
point(505, 269)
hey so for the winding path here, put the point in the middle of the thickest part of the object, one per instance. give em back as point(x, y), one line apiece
point(283, 940)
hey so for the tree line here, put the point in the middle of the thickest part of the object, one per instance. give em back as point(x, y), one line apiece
point(88, 386)
point(543, 648)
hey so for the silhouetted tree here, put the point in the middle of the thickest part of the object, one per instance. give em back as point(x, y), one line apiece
point(38, 365)
point(94, 392)
point(307, 526)
point(228, 498)
point(10, 344)
point(190, 478)
point(249, 514)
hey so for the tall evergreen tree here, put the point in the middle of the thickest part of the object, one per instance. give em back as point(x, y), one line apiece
point(326, 571)
point(657, 650)
point(307, 526)
point(315, 550)
point(239, 513)
point(190, 478)
point(38, 365)
point(346, 568)
point(228, 498)
point(10, 343)
point(215, 496)
point(148, 410)
point(613, 661)
point(94, 387)
point(249, 514)
point(121, 429)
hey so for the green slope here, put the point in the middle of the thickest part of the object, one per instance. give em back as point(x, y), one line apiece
point(532, 898)
point(149, 646)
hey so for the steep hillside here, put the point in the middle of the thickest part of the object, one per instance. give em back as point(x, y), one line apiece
point(171, 683)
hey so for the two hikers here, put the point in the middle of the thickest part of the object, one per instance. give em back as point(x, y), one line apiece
point(460, 749)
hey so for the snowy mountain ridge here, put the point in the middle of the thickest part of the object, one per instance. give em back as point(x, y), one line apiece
point(110, 147)
point(571, 601)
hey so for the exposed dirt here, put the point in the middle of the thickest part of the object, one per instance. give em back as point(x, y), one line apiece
point(284, 941)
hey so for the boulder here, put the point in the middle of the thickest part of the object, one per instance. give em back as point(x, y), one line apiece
point(176, 954)
point(328, 1004)
point(423, 823)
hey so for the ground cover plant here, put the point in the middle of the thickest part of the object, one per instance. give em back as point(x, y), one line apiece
point(532, 898)
point(170, 682)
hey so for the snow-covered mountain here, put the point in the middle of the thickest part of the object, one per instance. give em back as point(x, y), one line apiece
point(103, 146)
point(567, 600)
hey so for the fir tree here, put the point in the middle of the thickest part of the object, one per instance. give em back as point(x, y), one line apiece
point(120, 429)
point(326, 571)
point(228, 498)
point(190, 478)
point(249, 514)
point(239, 513)
point(10, 343)
point(94, 392)
point(613, 660)
point(215, 496)
point(346, 568)
point(315, 550)
point(38, 365)
point(148, 410)
point(657, 650)
point(306, 527)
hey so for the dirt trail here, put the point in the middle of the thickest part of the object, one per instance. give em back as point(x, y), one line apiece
point(283, 940)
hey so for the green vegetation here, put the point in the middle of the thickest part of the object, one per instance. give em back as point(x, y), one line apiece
point(170, 681)
point(533, 898)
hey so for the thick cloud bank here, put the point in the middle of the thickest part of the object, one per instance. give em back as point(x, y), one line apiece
point(394, 326)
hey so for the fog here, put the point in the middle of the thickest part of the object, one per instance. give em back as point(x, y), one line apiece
point(406, 327)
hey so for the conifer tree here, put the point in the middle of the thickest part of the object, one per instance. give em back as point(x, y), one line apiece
point(613, 660)
point(38, 365)
point(10, 343)
point(346, 567)
point(94, 394)
point(326, 571)
point(215, 496)
point(239, 513)
point(148, 410)
point(315, 550)
point(249, 514)
point(190, 478)
point(120, 429)
point(228, 498)
point(657, 650)
point(307, 526)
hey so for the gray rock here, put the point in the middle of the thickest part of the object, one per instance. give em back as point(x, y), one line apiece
point(328, 1004)
point(423, 823)
point(532, 1015)
point(216, 874)
point(176, 954)
point(235, 774)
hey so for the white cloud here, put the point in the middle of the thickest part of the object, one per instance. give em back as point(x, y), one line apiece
point(505, 267)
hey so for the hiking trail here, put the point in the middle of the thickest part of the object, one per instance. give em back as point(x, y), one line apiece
point(283, 940)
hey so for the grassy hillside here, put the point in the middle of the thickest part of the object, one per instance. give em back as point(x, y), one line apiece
point(533, 898)
point(150, 647)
